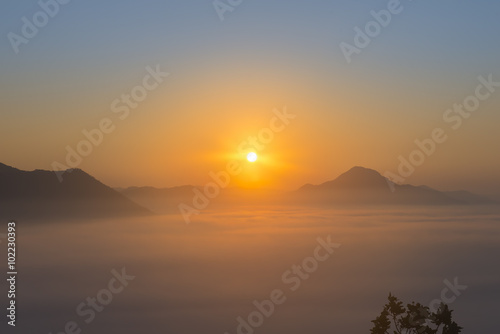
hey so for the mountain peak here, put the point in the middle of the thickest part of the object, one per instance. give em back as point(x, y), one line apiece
point(360, 185)
point(39, 192)
point(359, 171)
point(358, 177)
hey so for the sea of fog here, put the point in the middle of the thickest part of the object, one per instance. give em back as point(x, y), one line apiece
point(207, 276)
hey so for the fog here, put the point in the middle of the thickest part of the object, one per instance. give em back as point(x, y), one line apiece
point(200, 277)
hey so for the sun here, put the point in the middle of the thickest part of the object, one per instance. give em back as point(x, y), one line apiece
point(252, 156)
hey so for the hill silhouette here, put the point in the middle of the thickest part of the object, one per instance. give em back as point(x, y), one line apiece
point(361, 185)
point(167, 200)
point(39, 194)
point(356, 178)
point(160, 200)
point(357, 186)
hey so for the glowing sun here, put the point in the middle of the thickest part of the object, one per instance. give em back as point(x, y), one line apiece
point(252, 156)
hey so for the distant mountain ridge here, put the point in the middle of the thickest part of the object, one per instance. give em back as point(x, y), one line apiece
point(160, 200)
point(356, 178)
point(39, 193)
point(361, 185)
point(153, 191)
point(357, 186)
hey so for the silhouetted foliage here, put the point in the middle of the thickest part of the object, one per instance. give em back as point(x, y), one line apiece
point(415, 318)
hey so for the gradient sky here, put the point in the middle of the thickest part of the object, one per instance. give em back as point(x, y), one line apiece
point(227, 76)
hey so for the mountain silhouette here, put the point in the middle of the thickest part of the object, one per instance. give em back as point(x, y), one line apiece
point(356, 178)
point(167, 200)
point(39, 194)
point(357, 186)
point(160, 200)
point(361, 185)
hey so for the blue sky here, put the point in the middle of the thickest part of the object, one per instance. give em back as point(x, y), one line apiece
point(442, 34)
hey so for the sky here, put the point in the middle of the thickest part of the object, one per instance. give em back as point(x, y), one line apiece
point(226, 77)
